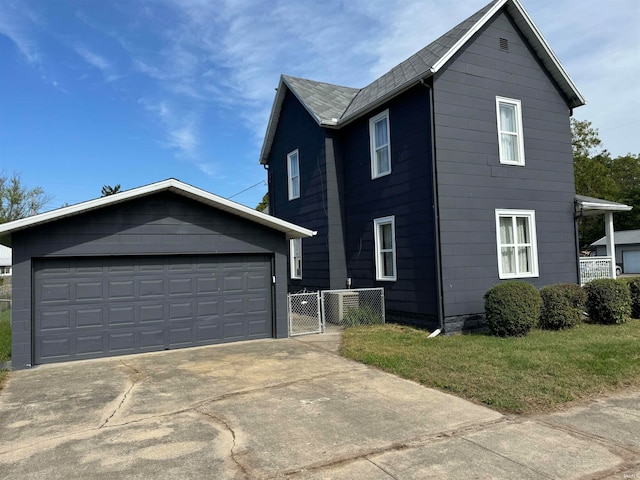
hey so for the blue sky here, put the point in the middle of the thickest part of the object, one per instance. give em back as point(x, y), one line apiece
point(99, 92)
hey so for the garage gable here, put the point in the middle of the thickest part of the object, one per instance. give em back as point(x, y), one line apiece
point(84, 280)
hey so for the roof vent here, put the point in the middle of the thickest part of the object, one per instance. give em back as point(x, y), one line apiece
point(504, 44)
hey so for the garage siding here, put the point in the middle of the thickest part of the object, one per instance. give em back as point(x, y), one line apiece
point(164, 224)
point(96, 307)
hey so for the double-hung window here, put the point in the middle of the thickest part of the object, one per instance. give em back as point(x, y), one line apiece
point(510, 139)
point(293, 173)
point(380, 145)
point(385, 248)
point(295, 255)
point(517, 246)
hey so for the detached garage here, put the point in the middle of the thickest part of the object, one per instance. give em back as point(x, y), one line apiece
point(159, 267)
point(627, 250)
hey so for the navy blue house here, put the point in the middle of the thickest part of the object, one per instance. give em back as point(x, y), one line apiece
point(448, 174)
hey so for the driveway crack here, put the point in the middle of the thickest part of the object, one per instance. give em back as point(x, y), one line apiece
point(136, 378)
point(383, 469)
point(243, 470)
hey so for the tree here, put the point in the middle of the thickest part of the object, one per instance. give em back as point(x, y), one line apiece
point(264, 203)
point(600, 176)
point(17, 201)
point(109, 190)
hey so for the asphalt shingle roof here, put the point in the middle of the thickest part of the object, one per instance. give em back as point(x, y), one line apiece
point(622, 237)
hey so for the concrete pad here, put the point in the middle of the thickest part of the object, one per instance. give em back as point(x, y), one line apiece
point(358, 469)
point(341, 416)
point(451, 458)
point(615, 419)
point(329, 341)
point(189, 445)
point(546, 450)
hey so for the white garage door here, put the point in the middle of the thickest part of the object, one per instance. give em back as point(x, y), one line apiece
point(631, 261)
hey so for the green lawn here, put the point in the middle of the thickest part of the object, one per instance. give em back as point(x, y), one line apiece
point(537, 373)
point(5, 341)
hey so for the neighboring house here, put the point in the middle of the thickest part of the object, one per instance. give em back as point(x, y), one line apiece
point(162, 266)
point(5, 262)
point(627, 246)
point(448, 174)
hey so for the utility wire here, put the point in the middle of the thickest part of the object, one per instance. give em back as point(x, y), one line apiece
point(261, 182)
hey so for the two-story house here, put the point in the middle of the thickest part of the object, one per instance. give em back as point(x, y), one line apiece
point(448, 174)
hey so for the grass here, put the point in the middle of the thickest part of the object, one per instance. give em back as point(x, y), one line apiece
point(5, 341)
point(541, 372)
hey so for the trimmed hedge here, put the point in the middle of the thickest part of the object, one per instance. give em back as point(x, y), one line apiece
point(562, 306)
point(634, 290)
point(512, 308)
point(608, 301)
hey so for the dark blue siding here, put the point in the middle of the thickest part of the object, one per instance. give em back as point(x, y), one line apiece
point(160, 224)
point(471, 181)
point(297, 130)
point(406, 193)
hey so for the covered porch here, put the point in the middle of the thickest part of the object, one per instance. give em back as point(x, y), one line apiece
point(591, 268)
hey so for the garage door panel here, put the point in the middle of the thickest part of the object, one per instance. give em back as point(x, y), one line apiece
point(631, 261)
point(92, 307)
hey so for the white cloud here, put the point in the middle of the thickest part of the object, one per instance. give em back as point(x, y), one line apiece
point(93, 58)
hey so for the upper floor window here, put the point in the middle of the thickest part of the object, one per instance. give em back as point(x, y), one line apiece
point(295, 255)
point(293, 171)
point(385, 248)
point(517, 245)
point(380, 145)
point(510, 139)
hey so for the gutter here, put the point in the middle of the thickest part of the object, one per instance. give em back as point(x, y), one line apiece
point(436, 214)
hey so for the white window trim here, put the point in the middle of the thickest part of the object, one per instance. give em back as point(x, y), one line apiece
point(372, 143)
point(519, 134)
point(292, 258)
point(290, 178)
point(531, 215)
point(378, 243)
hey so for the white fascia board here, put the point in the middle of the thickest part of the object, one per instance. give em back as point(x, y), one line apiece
point(467, 36)
point(606, 206)
point(176, 186)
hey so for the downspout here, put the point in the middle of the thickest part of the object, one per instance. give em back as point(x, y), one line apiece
point(436, 215)
point(270, 206)
point(576, 219)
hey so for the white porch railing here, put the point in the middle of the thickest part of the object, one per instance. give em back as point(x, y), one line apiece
point(592, 268)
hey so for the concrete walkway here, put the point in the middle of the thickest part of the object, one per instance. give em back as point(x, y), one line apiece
point(288, 409)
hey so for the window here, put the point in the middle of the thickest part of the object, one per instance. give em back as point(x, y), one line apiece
point(517, 246)
point(510, 139)
point(380, 145)
point(5, 270)
point(295, 255)
point(385, 248)
point(293, 170)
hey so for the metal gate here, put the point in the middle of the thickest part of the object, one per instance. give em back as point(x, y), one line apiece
point(314, 312)
point(304, 313)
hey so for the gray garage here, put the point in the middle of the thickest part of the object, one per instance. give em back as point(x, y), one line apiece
point(154, 268)
point(627, 250)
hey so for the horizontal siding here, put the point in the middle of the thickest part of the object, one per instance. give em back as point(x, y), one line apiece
point(471, 181)
point(406, 194)
point(297, 130)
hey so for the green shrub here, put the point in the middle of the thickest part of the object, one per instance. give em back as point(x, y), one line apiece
point(634, 290)
point(361, 316)
point(562, 306)
point(512, 308)
point(608, 301)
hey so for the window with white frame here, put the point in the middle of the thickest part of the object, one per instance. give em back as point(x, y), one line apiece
point(293, 172)
point(510, 138)
point(380, 145)
point(517, 245)
point(385, 248)
point(5, 270)
point(295, 255)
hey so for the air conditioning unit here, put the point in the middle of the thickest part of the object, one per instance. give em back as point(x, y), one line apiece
point(339, 303)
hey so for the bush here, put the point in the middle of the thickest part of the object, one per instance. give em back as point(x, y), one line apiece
point(608, 301)
point(634, 290)
point(562, 306)
point(512, 308)
point(361, 316)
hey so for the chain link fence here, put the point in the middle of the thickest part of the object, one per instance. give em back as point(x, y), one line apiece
point(349, 308)
point(304, 313)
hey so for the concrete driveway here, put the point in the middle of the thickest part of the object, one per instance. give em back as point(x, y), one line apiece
point(276, 409)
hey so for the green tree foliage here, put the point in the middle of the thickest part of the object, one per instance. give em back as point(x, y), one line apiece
point(599, 175)
point(264, 203)
point(18, 201)
point(109, 190)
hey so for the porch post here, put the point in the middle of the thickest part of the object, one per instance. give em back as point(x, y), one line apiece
point(611, 244)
